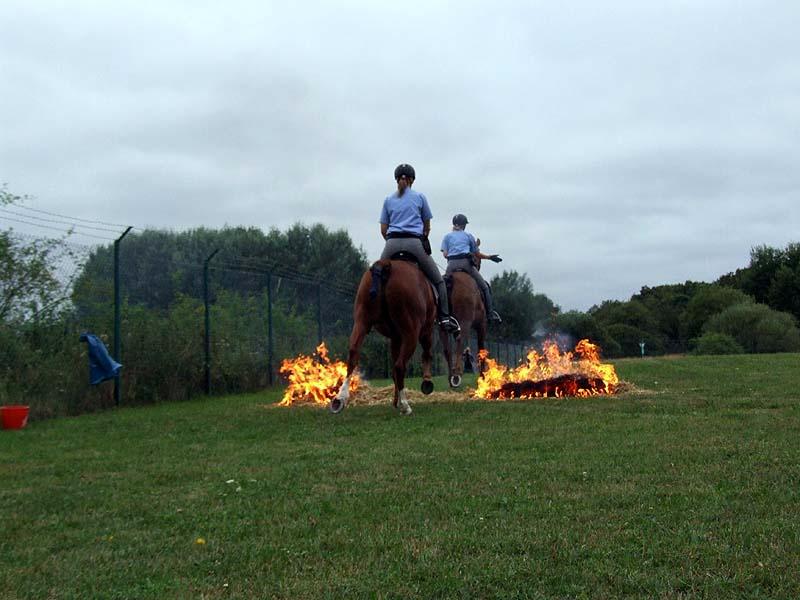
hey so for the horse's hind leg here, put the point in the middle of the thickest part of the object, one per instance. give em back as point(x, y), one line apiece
point(458, 359)
point(356, 341)
point(481, 333)
point(447, 350)
point(426, 341)
point(402, 351)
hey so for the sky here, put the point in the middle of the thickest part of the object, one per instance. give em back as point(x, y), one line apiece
point(598, 147)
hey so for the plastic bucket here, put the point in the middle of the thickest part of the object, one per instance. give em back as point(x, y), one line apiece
point(14, 417)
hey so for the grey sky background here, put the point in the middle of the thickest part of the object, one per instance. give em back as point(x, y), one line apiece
point(597, 146)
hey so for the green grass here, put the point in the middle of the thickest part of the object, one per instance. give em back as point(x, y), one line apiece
point(687, 488)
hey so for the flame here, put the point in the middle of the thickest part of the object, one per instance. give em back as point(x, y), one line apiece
point(314, 378)
point(552, 373)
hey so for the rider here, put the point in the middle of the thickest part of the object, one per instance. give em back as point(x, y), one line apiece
point(459, 248)
point(405, 224)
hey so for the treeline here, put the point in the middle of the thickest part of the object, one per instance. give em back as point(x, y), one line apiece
point(51, 291)
point(754, 309)
point(305, 278)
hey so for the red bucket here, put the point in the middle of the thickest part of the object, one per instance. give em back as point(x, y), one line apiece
point(14, 417)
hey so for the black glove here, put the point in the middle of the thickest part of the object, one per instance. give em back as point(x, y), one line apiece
point(495, 258)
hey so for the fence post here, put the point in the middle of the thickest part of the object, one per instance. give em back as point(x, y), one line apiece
point(208, 322)
point(319, 313)
point(269, 326)
point(117, 319)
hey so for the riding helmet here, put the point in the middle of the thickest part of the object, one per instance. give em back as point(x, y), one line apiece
point(460, 220)
point(406, 170)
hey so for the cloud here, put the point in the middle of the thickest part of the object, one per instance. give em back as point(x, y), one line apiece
point(598, 148)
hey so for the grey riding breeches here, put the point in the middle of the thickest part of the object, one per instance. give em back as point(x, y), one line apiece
point(465, 264)
point(414, 246)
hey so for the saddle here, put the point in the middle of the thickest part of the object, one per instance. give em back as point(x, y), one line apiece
point(406, 256)
point(448, 282)
point(381, 275)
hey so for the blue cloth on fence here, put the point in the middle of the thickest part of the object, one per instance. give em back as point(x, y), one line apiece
point(101, 365)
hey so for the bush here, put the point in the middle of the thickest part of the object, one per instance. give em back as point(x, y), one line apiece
point(757, 328)
point(777, 332)
point(716, 343)
point(707, 302)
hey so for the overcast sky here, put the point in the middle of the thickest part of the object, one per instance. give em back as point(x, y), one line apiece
point(597, 146)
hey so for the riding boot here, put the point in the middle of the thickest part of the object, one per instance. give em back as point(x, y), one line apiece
point(491, 313)
point(445, 320)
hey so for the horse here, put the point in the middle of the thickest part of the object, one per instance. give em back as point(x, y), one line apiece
point(468, 308)
point(395, 298)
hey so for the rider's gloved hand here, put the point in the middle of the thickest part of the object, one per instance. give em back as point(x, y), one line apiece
point(495, 258)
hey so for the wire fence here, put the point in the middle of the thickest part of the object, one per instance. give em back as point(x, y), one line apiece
point(220, 325)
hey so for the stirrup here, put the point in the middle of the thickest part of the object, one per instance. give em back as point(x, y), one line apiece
point(494, 317)
point(450, 325)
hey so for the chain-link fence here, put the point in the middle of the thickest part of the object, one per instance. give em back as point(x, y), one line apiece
point(220, 325)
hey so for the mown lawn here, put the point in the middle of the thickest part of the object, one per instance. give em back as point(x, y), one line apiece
point(688, 488)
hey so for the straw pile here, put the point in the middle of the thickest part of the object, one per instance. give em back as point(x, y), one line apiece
point(368, 396)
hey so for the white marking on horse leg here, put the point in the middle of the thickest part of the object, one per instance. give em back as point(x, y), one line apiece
point(340, 401)
point(344, 391)
point(402, 404)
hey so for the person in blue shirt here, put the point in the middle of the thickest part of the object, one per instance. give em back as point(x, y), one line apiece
point(405, 225)
point(459, 248)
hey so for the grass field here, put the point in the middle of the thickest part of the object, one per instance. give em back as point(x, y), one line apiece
point(688, 488)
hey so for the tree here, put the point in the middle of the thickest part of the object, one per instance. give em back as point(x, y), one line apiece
point(772, 277)
point(709, 300)
point(628, 338)
point(158, 265)
point(29, 285)
point(667, 303)
point(578, 325)
point(764, 263)
point(521, 308)
point(784, 290)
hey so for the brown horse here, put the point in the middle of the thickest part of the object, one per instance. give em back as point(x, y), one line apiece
point(467, 307)
point(395, 298)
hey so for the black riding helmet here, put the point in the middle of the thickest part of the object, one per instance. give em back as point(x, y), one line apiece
point(460, 220)
point(406, 170)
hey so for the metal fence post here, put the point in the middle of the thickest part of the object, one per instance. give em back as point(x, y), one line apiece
point(117, 319)
point(269, 326)
point(208, 322)
point(319, 313)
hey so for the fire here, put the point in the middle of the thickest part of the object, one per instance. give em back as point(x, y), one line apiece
point(314, 378)
point(552, 373)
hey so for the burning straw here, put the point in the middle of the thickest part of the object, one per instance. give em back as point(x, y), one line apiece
point(314, 379)
point(550, 374)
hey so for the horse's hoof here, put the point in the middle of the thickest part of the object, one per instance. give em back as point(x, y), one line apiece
point(405, 409)
point(336, 406)
point(427, 386)
point(455, 381)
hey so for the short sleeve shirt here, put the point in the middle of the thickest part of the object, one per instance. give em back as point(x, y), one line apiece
point(406, 213)
point(459, 242)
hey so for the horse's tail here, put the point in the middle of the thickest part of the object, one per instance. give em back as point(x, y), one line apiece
point(380, 271)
